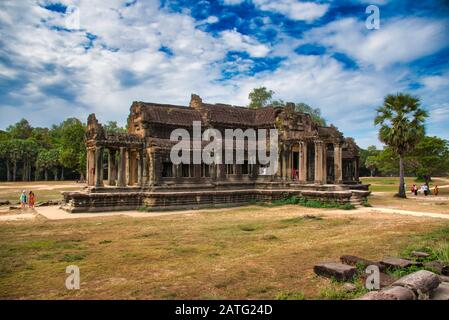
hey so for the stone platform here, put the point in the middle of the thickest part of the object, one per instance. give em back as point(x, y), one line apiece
point(166, 198)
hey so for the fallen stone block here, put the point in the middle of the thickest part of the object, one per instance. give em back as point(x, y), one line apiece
point(355, 261)
point(440, 293)
point(339, 271)
point(437, 266)
point(384, 278)
point(398, 263)
point(390, 293)
point(419, 254)
point(421, 282)
point(444, 278)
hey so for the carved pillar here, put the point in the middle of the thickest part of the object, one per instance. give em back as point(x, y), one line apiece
point(319, 162)
point(90, 167)
point(121, 182)
point(324, 172)
point(145, 167)
point(112, 168)
point(302, 161)
point(284, 162)
point(140, 168)
point(356, 169)
point(99, 166)
point(338, 163)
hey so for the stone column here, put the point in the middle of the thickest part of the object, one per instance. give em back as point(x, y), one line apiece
point(338, 163)
point(145, 167)
point(140, 168)
point(324, 172)
point(302, 161)
point(319, 162)
point(284, 163)
point(121, 182)
point(356, 169)
point(98, 166)
point(112, 168)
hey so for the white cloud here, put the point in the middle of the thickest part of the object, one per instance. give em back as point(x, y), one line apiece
point(236, 41)
point(296, 10)
point(397, 41)
point(232, 2)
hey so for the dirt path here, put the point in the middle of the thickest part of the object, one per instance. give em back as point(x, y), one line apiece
point(406, 212)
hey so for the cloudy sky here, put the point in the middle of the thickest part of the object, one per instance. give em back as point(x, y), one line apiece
point(69, 58)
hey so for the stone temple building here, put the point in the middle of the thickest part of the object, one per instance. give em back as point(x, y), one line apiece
point(133, 170)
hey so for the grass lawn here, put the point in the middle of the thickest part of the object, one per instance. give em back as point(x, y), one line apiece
point(44, 190)
point(240, 253)
point(391, 184)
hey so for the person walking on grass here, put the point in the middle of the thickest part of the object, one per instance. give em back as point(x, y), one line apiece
point(23, 199)
point(435, 190)
point(414, 190)
point(31, 199)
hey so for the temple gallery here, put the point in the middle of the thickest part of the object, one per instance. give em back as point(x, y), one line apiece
point(137, 169)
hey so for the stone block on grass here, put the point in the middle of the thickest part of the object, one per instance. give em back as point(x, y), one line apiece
point(421, 282)
point(339, 271)
point(398, 263)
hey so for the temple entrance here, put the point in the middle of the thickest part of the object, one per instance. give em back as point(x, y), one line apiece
point(330, 168)
point(310, 162)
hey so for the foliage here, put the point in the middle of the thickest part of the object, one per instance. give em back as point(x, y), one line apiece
point(430, 157)
point(113, 127)
point(260, 97)
point(311, 203)
point(401, 121)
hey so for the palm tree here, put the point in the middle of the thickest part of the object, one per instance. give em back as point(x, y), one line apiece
point(402, 125)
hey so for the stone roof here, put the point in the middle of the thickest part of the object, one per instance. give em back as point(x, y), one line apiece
point(214, 113)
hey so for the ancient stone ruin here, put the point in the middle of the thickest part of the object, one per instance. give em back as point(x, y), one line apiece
point(419, 285)
point(315, 162)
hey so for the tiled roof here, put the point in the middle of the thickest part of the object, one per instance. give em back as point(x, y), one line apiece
point(215, 113)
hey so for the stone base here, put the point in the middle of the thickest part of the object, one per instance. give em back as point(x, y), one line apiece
point(132, 198)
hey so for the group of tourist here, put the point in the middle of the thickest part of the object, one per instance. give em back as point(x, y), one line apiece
point(29, 199)
point(425, 189)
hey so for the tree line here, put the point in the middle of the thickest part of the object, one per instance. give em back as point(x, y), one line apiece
point(34, 153)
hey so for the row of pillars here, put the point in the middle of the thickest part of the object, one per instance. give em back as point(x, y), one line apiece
point(118, 175)
point(285, 170)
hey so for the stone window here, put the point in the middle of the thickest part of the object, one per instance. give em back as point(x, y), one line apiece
point(186, 170)
point(205, 170)
point(167, 169)
point(245, 167)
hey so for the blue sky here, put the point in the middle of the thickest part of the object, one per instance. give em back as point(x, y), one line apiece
point(74, 57)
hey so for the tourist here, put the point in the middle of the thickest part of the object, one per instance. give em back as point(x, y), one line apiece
point(31, 199)
point(426, 189)
point(415, 190)
point(23, 199)
point(435, 190)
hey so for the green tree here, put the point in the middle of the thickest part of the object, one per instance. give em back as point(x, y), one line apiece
point(71, 145)
point(371, 164)
point(401, 121)
point(48, 160)
point(430, 157)
point(260, 98)
point(315, 113)
point(113, 127)
point(20, 130)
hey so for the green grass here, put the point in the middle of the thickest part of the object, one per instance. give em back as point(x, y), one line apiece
point(295, 295)
point(311, 203)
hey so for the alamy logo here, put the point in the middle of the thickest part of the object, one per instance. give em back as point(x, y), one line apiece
point(72, 282)
point(261, 147)
point(373, 20)
point(373, 279)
